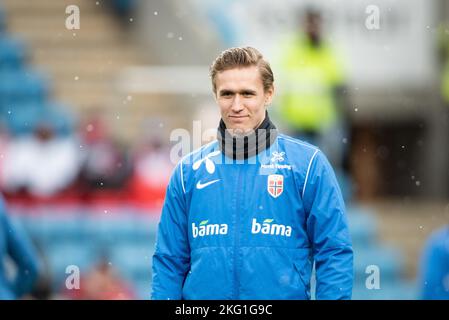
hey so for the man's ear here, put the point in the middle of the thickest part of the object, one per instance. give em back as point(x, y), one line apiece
point(269, 94)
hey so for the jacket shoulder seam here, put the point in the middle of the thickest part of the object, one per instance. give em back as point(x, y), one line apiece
point(308, 170)
point(299, 142)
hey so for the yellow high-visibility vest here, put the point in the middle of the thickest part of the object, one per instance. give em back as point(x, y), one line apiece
point(308, 78)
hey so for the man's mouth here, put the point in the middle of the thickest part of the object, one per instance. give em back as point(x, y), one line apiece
point(237, 118)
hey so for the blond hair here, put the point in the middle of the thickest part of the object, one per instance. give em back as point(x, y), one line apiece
point(242, 57)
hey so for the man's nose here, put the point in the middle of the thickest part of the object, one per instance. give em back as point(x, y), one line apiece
point(237, 104)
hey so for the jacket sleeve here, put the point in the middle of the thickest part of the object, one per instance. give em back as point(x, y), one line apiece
point(22, 252)
point(328, 231)
point(171, 260)
point(433, 269)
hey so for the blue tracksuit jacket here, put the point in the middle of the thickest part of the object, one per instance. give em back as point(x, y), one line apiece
point(251, 229)
point(15, 244)
point(434, 266)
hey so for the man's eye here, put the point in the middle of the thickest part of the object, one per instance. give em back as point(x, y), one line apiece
point(225, 94)
point(248, 94)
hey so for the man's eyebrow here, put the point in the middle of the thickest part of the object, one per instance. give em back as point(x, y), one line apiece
point(248, 91)
point(225, 91)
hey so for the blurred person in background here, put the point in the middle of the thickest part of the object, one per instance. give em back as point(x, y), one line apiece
point(42, 164)
point(101, 283)
point(20, 272)
point(312, 90)
point(247, 215)
point(152, 169)
point(434, 266)
point(105, 164)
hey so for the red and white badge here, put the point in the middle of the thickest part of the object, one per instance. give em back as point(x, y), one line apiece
point(275, 185)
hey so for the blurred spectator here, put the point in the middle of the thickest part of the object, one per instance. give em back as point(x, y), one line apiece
point(101, 283)
point(105, 164)
point(434, 267)
point(312, 82)
point(124, 10)
point(152, 170)
point(42, 164)
point(18, 276)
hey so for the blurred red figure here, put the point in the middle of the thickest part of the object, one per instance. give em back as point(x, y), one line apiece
point(101, 283)
point(152, 170)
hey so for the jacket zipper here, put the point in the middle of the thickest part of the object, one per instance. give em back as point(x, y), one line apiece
point(237, 235)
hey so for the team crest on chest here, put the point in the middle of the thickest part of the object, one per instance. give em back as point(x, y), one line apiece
point(275, 185)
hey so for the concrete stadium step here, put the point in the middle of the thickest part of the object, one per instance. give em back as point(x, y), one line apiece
point(20, 6)
point(94, 54)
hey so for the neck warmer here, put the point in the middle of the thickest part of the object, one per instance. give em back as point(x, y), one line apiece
point(248, 145)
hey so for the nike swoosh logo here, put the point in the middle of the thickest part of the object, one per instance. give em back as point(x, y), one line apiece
point(200, 185)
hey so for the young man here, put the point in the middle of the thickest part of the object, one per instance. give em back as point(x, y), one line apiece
point(246, 216)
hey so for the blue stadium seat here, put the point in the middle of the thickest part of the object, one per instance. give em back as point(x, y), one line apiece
point(22, 87)
point(388, 260)
point(59, 257)
point(60, 118)
point(362, 226)
point(12, 52)
point(54, 228)
point(389, 290)
point(22, 119)
point(142, 289)
point(133, 260)
point(110, 230)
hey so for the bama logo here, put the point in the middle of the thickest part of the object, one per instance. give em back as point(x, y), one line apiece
point(206, 229)
point(267, 227)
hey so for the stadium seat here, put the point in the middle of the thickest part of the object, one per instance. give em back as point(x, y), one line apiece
point(12, 52)
point(50, 229)
point(389, 262)
point(59, 257)
point(60, 118)
point(21, 87)
point(389, 290)
point(362, 226)
point(143, 290)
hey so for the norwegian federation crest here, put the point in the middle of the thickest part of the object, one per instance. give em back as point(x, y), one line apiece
point(275, 185)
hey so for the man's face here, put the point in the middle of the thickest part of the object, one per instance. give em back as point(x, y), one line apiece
point(313, 28)
point(241, 98)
